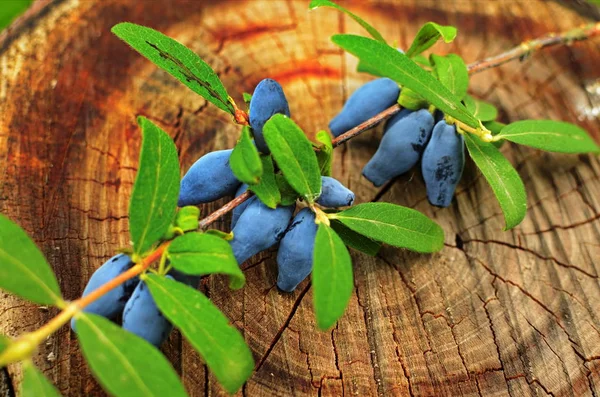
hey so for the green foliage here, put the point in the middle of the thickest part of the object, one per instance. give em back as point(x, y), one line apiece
point(411, 100)
point(452, 72)
point(178, 60)
point(484, 111)
point(355, 240)
point(549, 135)
point(325, 152)
point(288, 194)
point(35, 384)
point(187, 218)
point(124, 364)
point(267, 189)
point(4, 342)
point(331, 277)
point(294, 155)
point(221, 345)
point(327, 3)
point(502, 177)
point(155, 192)
point(11, 9)
point(23, 268)
point(428, 35)
point(200, 254)
point(247, 98)
point(393, 224)
point(391, 63)
point(245, 161)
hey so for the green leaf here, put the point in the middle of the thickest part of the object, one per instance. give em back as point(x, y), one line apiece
point(502, 177)
point(549, 135)
point(395, 225)
point(4, 342)
point(356, 240)
point(187, 218)
point(452, 72)
point(221, 345)
point(288, 194)
point(428, 35)
point(494, 126)
point(294, 155)
point(363, 67)
point(484, 111)
point(12, 9)
point(177, 60)
point(331, 277)
point(220, 234)
point(245, 160)
point(247, 98)
point(411, 100)
point(199, 254)
point(35, 384)
point(267, 189)
point(326, 3)
point(125, 364)
point(23, 268)
point(422, 60)
point(398, 67)
point(153, 201)
point(325, 153)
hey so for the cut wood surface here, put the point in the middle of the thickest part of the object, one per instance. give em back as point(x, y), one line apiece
point(493, 313)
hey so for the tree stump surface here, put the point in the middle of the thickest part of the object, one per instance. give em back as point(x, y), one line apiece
point(493, 313)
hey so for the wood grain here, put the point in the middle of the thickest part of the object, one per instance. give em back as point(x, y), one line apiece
point(494, 313)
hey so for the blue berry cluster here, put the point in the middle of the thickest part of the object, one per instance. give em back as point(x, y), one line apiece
point(255, 228)
point(409, 136)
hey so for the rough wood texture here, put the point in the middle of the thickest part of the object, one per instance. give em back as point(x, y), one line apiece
point(494, 313)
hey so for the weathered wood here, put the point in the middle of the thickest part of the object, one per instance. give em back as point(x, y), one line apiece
point(494, 313)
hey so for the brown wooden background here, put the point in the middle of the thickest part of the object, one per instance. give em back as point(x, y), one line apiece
point(494, 313)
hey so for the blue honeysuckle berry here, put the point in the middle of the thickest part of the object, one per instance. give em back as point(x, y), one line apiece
point(259, 228)
point(443, 163)
point(142, 317)
point(295, 255)
point(268, 99)
point(334, 194)
point(369, 100)
point(111, 304)
point(208, 179)
point(401, 146)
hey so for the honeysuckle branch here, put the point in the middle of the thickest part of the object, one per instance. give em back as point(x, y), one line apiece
point(24, 346)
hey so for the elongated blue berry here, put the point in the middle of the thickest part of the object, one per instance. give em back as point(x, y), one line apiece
point(111, 304)
point(268, 99)
point(370, 99)
point(209, 179)
point(259, 228)
point(443, 163)
point(401, 146)
point(237, 211)
point(334, 194)
point(142, 317)
point(295, 254)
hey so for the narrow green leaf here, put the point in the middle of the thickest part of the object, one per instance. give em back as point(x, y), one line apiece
point(327, 3)
point(178, 60)
point(452, 72)
point(288, 194)
point(484, 111)
point(23, 268)
point(502, 177)
point(422, 60)
point(153, 201)
point(35, 384)
point(398, 67)
point(363, 67)
point(221, 345)
point(245, 160)
point(187, 218)
point(331, 277)
point(247, 98)
point(325, 153)
point(549, 135)
point(267, 189)
point(294, 155)
point(428, 35)
point(356, 240)
point(125, 364)
point(199, 254)
point(411, 100)
point(395, 225)
point(494, 126)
